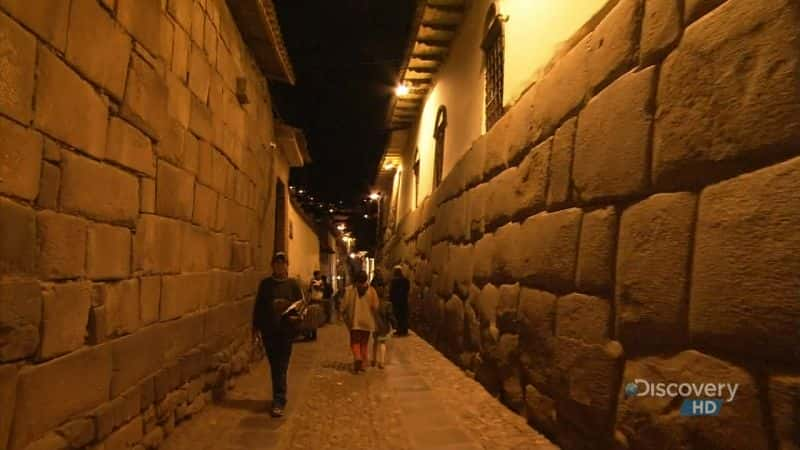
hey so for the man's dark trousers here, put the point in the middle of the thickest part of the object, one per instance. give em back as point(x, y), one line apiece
point(278, 350)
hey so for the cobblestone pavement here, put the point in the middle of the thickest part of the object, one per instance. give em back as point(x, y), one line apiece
point(420, 401)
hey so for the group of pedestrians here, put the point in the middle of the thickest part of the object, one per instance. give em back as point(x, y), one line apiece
point(365, 308)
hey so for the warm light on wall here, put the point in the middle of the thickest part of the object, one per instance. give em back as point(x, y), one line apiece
point(374, 196)
point(388, 166)
point(401, 90)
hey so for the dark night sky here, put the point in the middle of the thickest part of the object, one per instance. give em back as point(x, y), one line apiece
point(346, 55)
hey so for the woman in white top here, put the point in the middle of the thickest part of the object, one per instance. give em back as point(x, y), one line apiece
point(358, 310)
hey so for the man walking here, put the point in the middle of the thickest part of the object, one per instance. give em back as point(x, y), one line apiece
point(398, 295)
point(275, 295)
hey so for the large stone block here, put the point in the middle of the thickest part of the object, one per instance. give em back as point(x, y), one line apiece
point(506, 255)
point(537, 316)
point(596, 255)
point(147, 195)
point(98, 46)
point(496, 146)
point(136, 356)
point(65, 311)
point(530, 187)
point(17, 70)
point(486, 306)
point(128, 435)
point(613, 139)
point(661, 29)
point(584, 318)
point(20, 160)
point(146, 96)
point(747, 237)
point(454, 325)
point(157, 246)
point(50, 393)
point(62, 245)
point(205, 206)
point(142, 18)
point(484, 251)
point(540, 410)
point(98, 191)
point(652, 422)
point(474, 161)
point(200, 119)
point(181, 45)
point(121, 301)
point(589, 379)
point(150, 299)
point(180, 101)
point(174, 192)
point(501, 202)
point(68, 108)
point(735, 74)
point(461, 266)
point(784, 396)
point(652, 271)
point(199, 73)
point(694, 9)
point(109, 252)
point(8, 396)
point(181, 10)
point(182, 294)
point(130, 147)
point(562, 91)
point(548, 250)
point(20, 317)
point(196, 249)
point(508, 309)
point(17, 238)
point(559, 168)
point(47, 19)
point(49, 183)
point(476, 202)
point(187, 333)
point(613, 44)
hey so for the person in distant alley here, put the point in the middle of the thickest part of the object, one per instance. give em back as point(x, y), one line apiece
point(359, 308)
point(316, 292)
point(378, 283)
point(398, 295)
point(327, 297)
point(275, 294)
point(385, 326)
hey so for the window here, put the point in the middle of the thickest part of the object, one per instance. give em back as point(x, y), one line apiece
point(493, 49)
point(438, 134)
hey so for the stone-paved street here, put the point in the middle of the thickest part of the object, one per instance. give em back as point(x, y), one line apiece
point(420, 401)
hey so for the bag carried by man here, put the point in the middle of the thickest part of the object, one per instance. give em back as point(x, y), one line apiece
point(302, 316)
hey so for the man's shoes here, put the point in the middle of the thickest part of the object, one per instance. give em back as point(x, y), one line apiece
point(357, 366)
point(276, 411)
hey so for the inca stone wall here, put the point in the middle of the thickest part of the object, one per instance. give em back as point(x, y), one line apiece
point(635, 215)
point(135, 196)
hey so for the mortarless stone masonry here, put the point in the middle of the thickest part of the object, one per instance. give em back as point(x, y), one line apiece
point(669, 248)
point(130, 240)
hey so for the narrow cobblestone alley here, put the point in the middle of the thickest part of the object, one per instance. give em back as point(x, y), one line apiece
point(420, 401)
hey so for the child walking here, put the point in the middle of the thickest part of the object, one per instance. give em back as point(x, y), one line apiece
point(385, 324)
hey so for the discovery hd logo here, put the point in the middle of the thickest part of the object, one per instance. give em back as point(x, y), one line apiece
point(700, 399)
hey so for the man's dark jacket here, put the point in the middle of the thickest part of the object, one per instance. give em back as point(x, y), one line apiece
point(274, 296)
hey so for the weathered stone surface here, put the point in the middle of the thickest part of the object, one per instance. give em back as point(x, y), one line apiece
point(547, 250)
point(98, 191)
point(196, 249)
point(474, 161)
point(20, 316)
point(747, 237)
point(198, 24)
point(507, 308)
point(50, 441)
point(735, 74)
point(200, 119)
point(181, 10)
point(529, 192)
point(109, 252)
point(130, 147)
point(78, 433)
point(96, 328)
point(146, 96)
point(166, 37)
point(150, 299)
point(613, 44)
point(563, 89)
point(83, 383)
point(126, 406)
point(142, 18)
point(121, 301)
point(596, 256)
point(128, 435)
point(47, 20)
point(506, 255)
point(17, 70)
point(461, 266)
point(652, 271)
point(784, 395)
point(454, 325)
point(8, 396)
point(65, 311)
point(661, 29)
point(174, 192)
point(17, 238)
point(136, 356)
point(559, 168)
point(496, 146)
point(694, 9)
point(98, 46)
point(68, 108)
point(180, 101)
point(181, 44)
point(199, 73)
point(589, 382)
point(476, 202)
point(181, 294)
point(49, 184)
point(62, 245)
point(613, 139)
point(649, 422)
point(537, 318)
point(584, 318)
point(486, 306)
point(157, 246)
point(484, 251)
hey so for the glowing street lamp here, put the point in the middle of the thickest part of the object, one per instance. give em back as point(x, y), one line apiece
point(374, 196)
point(341, 227)
point(401, 90)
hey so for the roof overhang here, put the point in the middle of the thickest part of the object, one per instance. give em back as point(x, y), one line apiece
point(258, 23)
point(292, 143)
